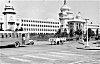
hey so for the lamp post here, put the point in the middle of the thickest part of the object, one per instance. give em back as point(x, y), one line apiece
point(87, 44)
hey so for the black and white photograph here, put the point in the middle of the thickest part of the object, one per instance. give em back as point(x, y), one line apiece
point(49, 31)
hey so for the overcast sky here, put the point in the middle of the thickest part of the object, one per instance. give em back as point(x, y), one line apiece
point(44, 9)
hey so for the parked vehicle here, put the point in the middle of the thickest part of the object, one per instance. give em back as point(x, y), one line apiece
point(85, 38)
point(14, 38)
point(97, 37)
point(57, 41)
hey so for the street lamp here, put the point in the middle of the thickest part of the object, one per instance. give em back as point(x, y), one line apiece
point(87, 44)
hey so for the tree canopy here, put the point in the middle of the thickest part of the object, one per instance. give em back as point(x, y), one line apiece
point(97, 32)
point(71, 33)
point(78, 32)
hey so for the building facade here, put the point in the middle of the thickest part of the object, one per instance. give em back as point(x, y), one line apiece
point(94, 27)
point(64, 16)
point(40, 26)
point(9, 18)
point(68, 21)
point(9, 22)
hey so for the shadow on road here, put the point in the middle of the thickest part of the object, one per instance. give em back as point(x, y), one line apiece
point(88, 48)
point(9, 46)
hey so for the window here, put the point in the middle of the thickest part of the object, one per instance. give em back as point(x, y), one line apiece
point(22, 20)
point(27, 20)
point(22, 24)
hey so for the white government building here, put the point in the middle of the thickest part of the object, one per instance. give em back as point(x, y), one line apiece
point(9, 21)
point(68, 21)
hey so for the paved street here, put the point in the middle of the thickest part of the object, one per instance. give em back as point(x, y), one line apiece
point(44, 53)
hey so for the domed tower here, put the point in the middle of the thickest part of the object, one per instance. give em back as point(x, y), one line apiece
point(78, 16)
point(9, 16)
point(65, 15)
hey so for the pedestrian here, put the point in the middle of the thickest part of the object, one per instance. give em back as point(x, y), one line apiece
point(23, 38)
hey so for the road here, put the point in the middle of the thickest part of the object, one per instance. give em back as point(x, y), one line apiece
point(44, 53)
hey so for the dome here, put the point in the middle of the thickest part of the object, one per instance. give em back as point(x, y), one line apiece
point(9, 5)
point(9, 8)
point(65, 7)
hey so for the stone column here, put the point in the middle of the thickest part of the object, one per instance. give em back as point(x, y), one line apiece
point(74, 26)
point(83, 28)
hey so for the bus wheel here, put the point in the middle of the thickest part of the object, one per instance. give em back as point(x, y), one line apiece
point(57, 42)
point(17, 44)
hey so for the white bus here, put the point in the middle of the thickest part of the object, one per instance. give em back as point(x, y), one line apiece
point(18, 38)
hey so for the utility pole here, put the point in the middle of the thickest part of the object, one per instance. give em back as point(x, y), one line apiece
point(87, 44)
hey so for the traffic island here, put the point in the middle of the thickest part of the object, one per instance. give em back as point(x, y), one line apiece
point(91, 46)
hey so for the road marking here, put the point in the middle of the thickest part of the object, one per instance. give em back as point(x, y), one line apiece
point(64, 51)
point(32, 56)
point(77, 62)
point(52, 55)
point(4, 63)
point(60, 53)
point(23, 60)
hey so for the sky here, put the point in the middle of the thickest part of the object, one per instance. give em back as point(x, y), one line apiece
point(44, 9)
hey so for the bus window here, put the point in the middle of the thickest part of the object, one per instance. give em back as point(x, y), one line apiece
point(5, 35)
point(23, 35)
point(17, 35)
point(13, 35)
point(0, 35)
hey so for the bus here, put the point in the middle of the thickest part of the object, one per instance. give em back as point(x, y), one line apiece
point(16, 38)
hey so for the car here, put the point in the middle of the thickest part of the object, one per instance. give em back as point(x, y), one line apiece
point(57, 41)
point(97, 37)
point(85, 38)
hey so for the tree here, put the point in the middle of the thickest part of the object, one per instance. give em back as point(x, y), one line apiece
point(21, 29)
point(16, 29)
point(41, 35)
point(8, 30)
point(58, 34)
point(71, 33)
point(64, 34)
point(97, 32)
point(78, 32)
point(90, 32)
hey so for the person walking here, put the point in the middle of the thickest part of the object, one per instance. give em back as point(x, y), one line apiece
point(23, 38)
